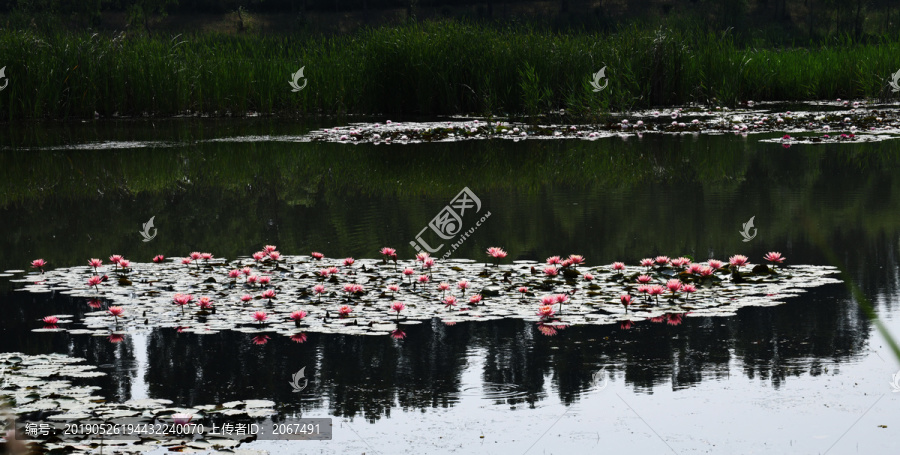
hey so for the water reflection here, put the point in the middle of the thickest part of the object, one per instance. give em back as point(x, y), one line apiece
point(369, 376)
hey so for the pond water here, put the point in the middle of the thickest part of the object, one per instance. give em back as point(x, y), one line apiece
point(811, 375)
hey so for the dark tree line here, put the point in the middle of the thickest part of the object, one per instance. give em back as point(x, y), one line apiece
point(800, 18)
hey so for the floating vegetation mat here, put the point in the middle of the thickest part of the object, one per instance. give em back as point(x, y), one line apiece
point(37, 388)
point(297, 294)
point(818, 122)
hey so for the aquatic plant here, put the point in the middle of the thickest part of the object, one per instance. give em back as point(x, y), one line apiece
point(116, 311)
point(182, 300)
point(389, 254)
point(95, 282)
point(775, 257)
point(737, 261)
point(397, 307)
point(449, 301)
point(443, 287)
point(626, 300)
point(297, 316)
point(500, 293)
point(260, 316)
point(655, 290)
point(39, 264)
point(497, 253)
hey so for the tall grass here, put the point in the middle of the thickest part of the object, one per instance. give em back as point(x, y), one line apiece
point(423, 68)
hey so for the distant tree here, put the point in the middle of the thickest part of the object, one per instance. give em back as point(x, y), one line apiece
point(141, 11)
point(240, 8)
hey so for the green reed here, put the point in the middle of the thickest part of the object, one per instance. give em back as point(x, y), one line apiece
point(424, 68)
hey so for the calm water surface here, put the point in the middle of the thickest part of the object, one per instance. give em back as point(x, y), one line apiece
point(809, 376)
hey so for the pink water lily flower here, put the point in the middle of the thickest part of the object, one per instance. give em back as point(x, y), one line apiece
point(94, 281)
point(389, 254)
point(260, 316)
point(674, 285)
point(449, 301)
point(738, 260)
point(182, 299)
point(656, 290)
point(626, 300)
point(774, 256)
point(398, 307)
point(158, 258)
point(181, 418)
point(316, 255)
point(52, 320)
point(204, 302)
point(38, 264)
point(298, 316)
point(689, 289)
point(345, 311)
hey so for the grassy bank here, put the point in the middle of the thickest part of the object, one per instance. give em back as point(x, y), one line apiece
point(423, 68)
